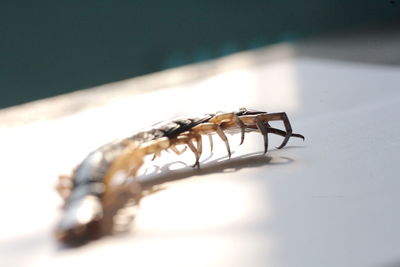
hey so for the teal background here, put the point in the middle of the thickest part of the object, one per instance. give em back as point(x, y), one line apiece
point(53, 47)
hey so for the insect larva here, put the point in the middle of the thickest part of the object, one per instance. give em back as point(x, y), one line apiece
point(105, 181)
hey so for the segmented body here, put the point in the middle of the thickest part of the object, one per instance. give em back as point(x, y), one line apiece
point(105, 181)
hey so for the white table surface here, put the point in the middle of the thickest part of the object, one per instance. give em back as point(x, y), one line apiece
point(332, 200)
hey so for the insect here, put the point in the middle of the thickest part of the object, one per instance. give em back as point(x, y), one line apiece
point(105, 182)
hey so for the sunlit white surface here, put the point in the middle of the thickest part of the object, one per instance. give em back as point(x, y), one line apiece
point(330, 201)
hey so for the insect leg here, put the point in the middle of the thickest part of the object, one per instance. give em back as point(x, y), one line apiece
point(155, 147)
point(283, 133)
point(127, 164)
point(64, 186)
point(211, 142)
point(264, 131)
point(186, 139)
point(278, 116)
point(208, 128)
point(132, 158)
point(230, 120)
point(199, 149)
point(176, 151)
point(257, 120)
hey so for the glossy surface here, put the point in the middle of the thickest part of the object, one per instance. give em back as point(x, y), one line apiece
point(330, 201)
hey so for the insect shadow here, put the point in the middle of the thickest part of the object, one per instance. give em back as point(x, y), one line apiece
point(154, 182)
point(164, 174)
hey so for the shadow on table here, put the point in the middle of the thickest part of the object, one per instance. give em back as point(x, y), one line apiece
point(151, 182)
point(164, 173)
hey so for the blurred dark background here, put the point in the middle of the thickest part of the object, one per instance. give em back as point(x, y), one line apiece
point(53, 47)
